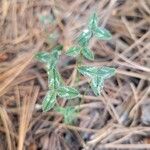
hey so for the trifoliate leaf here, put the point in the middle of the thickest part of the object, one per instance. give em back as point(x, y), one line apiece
point(97, 84)
point(87, 71)
point(102, 33)
point(68, 113)
point(54, 78)
point(84, 38)
point(73, 51)
point(68, 92)
point(50, 58)
point(93, 22)
point(106, 72)
point(87, 53)
point(43, 57)
point(49, 101)
point(97, 76)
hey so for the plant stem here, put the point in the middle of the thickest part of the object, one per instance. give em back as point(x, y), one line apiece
point(78, 64)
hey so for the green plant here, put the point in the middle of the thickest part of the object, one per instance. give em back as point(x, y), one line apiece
point(80, 50)
point(56, 86)
point(68, 112)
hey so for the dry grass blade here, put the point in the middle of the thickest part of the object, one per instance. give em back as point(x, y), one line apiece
point(8, 127)
point(26, 114)
point(126, 146)
point(117, 119)
point(7, 77)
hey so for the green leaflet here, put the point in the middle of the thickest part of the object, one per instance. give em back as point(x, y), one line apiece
point(102, 33)
point(49, 101)
point(54, 56)
point(87, 53)
point(103, 72)
point(88, 71)
point(93, 22)
point(106, 72)
point(58, 48)
point(68, 92)
point(97, 84)
point(54, 78)
point(73, 51)
point(69, 114)
point(43, 57)
point(84, 38)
